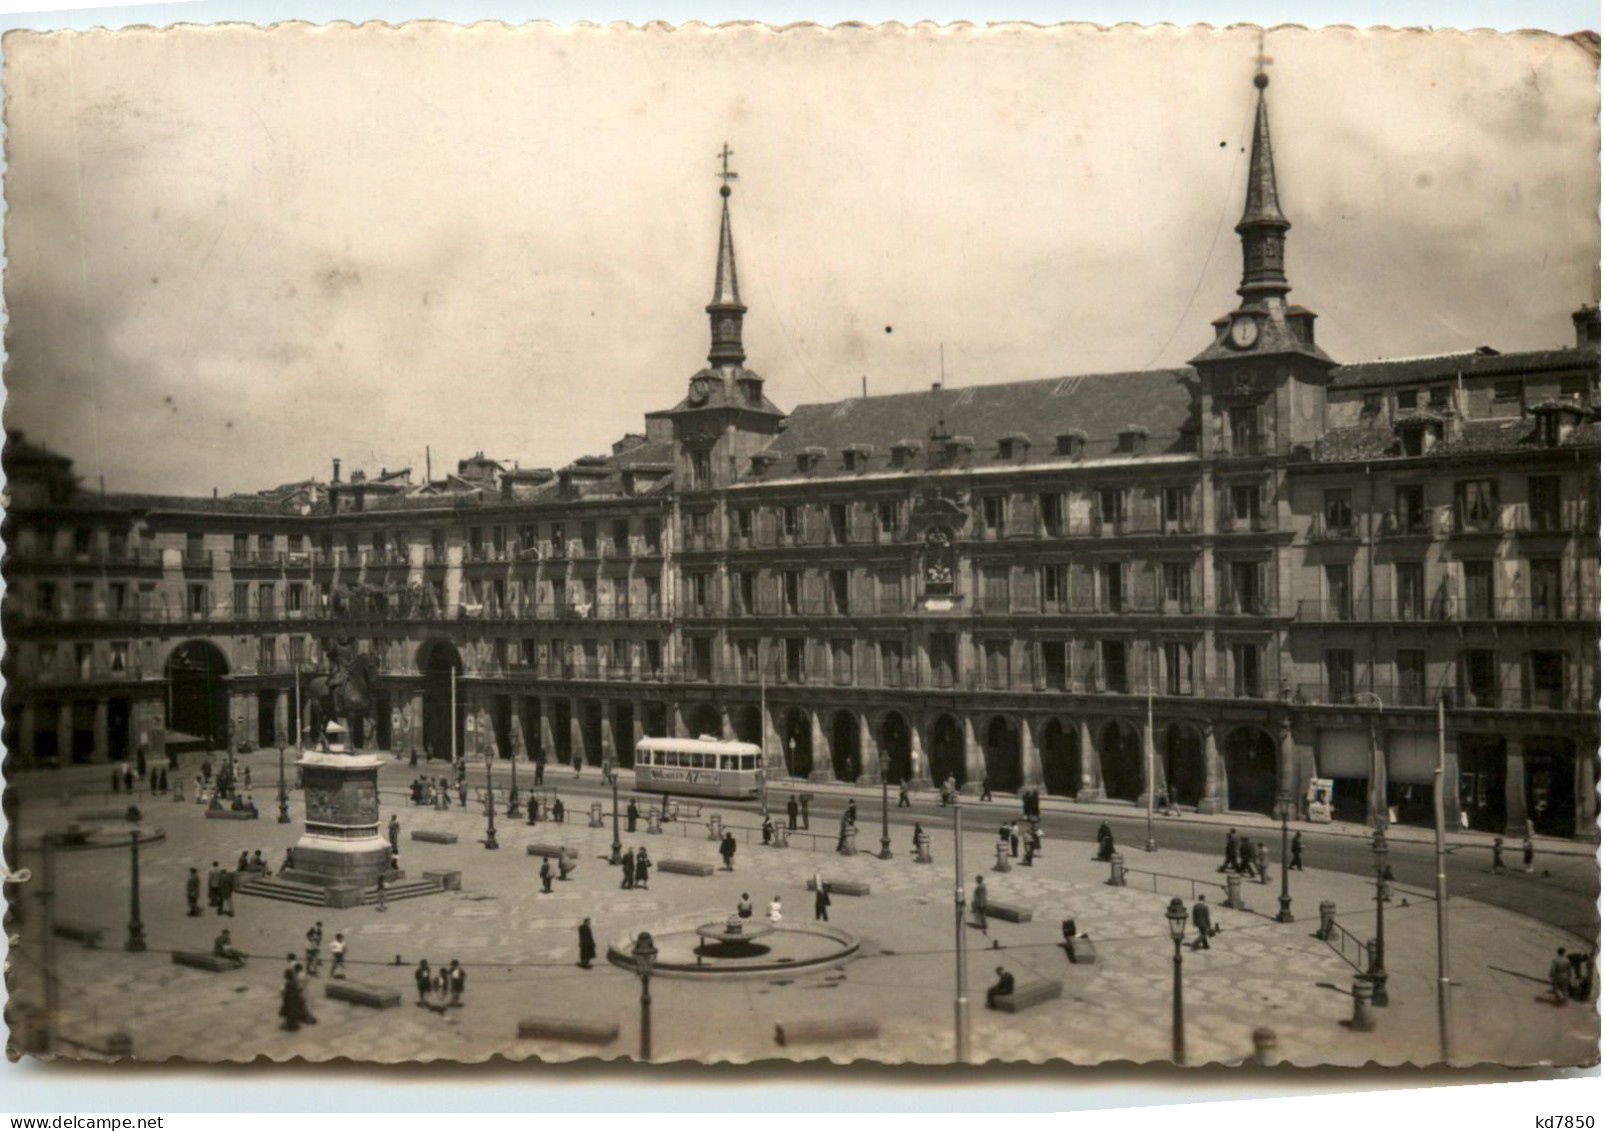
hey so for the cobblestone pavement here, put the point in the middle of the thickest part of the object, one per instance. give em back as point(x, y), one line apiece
point(520, 950)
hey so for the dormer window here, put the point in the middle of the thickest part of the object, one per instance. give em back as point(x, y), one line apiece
point(1372, 405)
point(808, 459)
point(855, 457)
point(959, 447)
point(903, 452)
point(1072, 443)
point(1133, 440)
point(1013, 445)
point(762, 462)
point(1556, 422)
point(1418, 432)
point(1408, 399)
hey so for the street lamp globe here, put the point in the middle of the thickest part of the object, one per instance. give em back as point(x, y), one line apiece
point(1175, 913)
point(645, 954)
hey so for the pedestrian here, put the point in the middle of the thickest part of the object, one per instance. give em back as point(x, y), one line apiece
point(533, 807)
point(775, 914)
point(1527, 851)
point(1003, 988)
point(579, 764)
point(162, 777)
point(743, 909)
point(206, 769)
point(791, 812)
point(1035, 836)
point(629, 871)
point(768, 830)
point(258, 865)
point(442, 988)
point(841, 836)
point(155, 779)
point(918, 831)
point(192, 889)
point(1230, 852)
point(545, 875)
point(314, 944)
point(851, 815)
point(459, 981)
point(1030, 852)
point(1105, 841)
point(806, 798)
point(985, 788)
point(225, 893)
point(1297, 852)
point(902, 796)
point(1244, 855)
point(292, 1003)
point(1261, 859)
point(1559, 977)
point(978, 905)
point(139, 759)
point(423, 978)
point(289, 859)
point(557, 810)
point(244, 864)
point(379, 900)
point(223, 947)
point(587, 945)
point(727, 850)
point(245, 776)
point(128, 780)
point(1203, 922)
point(462, 793)
point(1499, 867)
point(632, 814)
point(540, 768)
point(337, 951)
point(1171, 809)
point(1013, 839)
point(821, 899)
point(394, 829)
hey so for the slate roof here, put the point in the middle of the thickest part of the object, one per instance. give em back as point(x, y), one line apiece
point(1164, 401)
point(1445, 367)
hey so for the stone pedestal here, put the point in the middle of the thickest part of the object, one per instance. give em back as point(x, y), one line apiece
point(342, 849)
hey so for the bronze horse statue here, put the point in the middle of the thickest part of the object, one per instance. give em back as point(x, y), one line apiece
point(329, 698)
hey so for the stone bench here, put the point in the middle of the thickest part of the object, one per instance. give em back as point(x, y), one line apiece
point(204, 960)
point(79, 932)
point(1032, 993)
point(685, 867)
point(554, 851)
point(446, 881)
point(1009, 912)
point(825, 1030)
point(375, 997)
point(843, 887)
point(566, 1029)
point(1081, 951)
point(230, 815)
point(432, 837)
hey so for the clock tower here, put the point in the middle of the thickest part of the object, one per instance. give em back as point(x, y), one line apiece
point(725, 417)
point(1263, 376)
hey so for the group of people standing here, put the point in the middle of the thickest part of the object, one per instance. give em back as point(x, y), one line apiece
point(637, 869)
point(440, 990)
point(1245, 857)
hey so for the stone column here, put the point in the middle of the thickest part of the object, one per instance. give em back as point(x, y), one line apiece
point(576, 731)
point(102, 740)
point(548, 742)
point(1029, 756)
point(609, 748)
point(676, 720)
point(726, 725)
point(637, 724)
point(773, 745)
point(919, 768)
point(823, 764)
point(1151, 775)
point(520, 742)
point(1213, 799)
point(1515, 786)
point(1091, 766)
point(1586, 793)
point(974, 757)
point(868, 753)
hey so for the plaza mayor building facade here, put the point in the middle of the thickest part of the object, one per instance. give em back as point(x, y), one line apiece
point(1291, 562)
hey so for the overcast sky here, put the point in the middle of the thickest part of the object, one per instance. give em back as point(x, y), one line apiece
point(235, 254)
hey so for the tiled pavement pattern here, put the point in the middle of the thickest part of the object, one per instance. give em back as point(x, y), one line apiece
point(519, 946)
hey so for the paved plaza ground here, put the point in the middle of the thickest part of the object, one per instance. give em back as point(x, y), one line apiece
point(519, 946)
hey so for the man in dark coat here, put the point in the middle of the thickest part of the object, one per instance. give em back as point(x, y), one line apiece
point(540, 769)
point(214, 887)
point(1004, 987)
point(1297, 852)
point(457, 980)
point(790, 812)
point(1105, 841)
point(805, 823)
point(545, 875)
point(985, 788)
point(902, 795)
point(1230, 852)
point(534, 808)
point(629, 870)
point(192, 888)
point(587, 945)
point(978, 903)
point(632, 814)
point(423, 978)
point(821, 902)
point(727, 850)
point(643, 869)
point(768, 830)
point(557, 810)
point(1203, 922)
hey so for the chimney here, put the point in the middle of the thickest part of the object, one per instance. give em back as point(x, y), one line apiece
point(336, 478)
point(1586, 321)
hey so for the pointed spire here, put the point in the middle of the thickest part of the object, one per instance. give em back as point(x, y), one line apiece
point(1263, 228)
point(726, 310)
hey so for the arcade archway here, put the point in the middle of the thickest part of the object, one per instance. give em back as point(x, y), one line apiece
point(197, 674)
point(1250, 770)
point(1002, 755)
point(704, 721)
point(896, 745)
point(846, 755)
point(1181, 754)
point(1060, 758)
point(946, 750)
point(1119, 749)
point(748, 723)
point(798, 742)
point(438, 659)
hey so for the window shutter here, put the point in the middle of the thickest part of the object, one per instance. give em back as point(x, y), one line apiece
point(1146, 585)
point(1261, 582)
point(1081, 592)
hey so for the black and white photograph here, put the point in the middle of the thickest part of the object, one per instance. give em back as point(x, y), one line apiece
point(904, 544)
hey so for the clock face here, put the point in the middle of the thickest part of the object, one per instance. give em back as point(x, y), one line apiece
point(1244, 332)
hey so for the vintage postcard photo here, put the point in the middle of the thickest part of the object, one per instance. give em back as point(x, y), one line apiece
point(919, 545)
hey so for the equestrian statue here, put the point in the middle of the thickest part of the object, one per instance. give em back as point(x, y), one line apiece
point(344, 693)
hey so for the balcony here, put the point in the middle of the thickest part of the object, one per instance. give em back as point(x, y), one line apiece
point(1456, 610)
point(1404, 526)
point(1469, 523)
point(1250, 605)
point(1321, 530)
point(1255, 523)
point(1244, 445)
point(198, 560)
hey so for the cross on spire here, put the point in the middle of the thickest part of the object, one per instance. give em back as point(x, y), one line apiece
point(724, 174)
point(1261, 61)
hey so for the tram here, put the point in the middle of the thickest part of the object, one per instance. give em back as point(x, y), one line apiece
point(705, 767)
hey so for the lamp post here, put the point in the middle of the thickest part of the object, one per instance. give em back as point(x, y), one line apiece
point(136, 927)
point(283, 791)
point(1285, 914)
point(645, 953)
point(1378, 968)
point(885, 806)
point(1175, 913)
point(490, 808)
point(618, 846)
